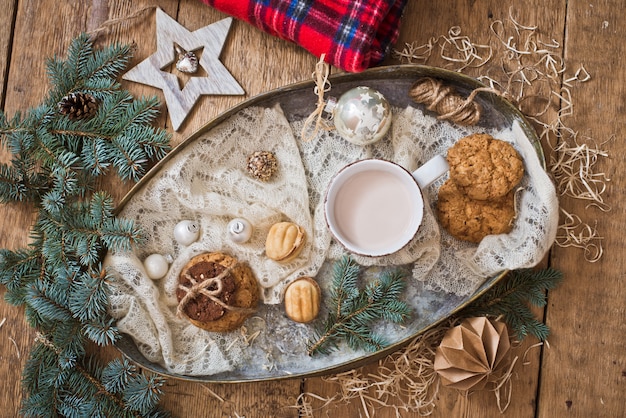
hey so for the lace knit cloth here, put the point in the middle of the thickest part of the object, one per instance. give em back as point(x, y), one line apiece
point(207, 182)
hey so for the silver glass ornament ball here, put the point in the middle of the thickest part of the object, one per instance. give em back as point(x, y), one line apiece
point(239, 230)
point(156, 266)
point(362, 115)
point(186, 232)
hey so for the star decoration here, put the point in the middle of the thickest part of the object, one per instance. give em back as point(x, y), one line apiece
point(365, 97)
point(211, 40)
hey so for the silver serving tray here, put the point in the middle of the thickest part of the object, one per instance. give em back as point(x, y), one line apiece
point(297, 102)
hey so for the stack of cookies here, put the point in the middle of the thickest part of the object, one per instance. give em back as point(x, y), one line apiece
point(478, 198)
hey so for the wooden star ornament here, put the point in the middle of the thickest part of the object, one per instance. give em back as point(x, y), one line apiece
point(170, 36)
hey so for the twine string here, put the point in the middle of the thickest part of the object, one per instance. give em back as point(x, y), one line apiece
point(210, 287)
point(322, 85)
point(118, 20)
point(445, 101)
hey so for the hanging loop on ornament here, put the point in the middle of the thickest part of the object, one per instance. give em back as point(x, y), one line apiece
point(322, 85)
point(331, 104)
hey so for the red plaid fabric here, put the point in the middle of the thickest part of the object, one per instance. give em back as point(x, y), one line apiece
point(354, 34)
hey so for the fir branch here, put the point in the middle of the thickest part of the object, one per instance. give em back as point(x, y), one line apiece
point(511, 298)
point(109, 63)
point(16, 266)
point(118, 136)
point(59, 279)
point(352, 311)
point(118, 388)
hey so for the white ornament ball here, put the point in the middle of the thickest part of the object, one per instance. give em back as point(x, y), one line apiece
point(156, 266)
point(186, 232)
point(362, 115)
point(240, 230)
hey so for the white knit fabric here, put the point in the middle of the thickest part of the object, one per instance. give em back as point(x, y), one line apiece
point(207, 182)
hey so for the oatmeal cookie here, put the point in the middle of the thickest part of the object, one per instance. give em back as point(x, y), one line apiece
point(237, 292)
point(483, 167)
point(471, 220)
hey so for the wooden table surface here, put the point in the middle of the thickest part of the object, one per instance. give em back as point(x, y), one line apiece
point(583, 371)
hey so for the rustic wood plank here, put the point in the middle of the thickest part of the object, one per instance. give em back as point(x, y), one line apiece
point(26, 85)
point(584, 371)
point(14, 342)
point(6, 37)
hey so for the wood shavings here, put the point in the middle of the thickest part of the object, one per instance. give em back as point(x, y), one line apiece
point(304, 404)
point(504, 384)
point(17, 349)
point(530, 71)
point(458, 50)
point(573, 170)
point(581, 75)
point(536, 345)
point(575, 233)
point(405, 381)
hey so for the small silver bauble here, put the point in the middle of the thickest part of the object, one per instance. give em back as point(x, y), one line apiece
point(156, 266)
point(362, 115)
point(239, 230)
point(186, 232)
point(187, 61)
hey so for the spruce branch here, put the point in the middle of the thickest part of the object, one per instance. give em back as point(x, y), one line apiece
point(353, 311)
point(59, 279)
point(118, 387)
point(511, 298)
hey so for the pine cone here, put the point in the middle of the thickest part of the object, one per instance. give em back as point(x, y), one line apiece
point(78, 105)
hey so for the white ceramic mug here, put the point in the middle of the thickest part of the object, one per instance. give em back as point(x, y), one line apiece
point(375, 207)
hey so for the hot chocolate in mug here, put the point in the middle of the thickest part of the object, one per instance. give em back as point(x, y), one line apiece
point(374, 207)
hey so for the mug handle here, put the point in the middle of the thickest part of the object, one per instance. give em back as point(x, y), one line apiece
point(431, 171)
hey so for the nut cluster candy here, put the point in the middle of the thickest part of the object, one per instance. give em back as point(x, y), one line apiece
point(262, 165)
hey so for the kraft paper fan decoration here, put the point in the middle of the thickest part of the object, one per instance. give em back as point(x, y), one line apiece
point(473, 354)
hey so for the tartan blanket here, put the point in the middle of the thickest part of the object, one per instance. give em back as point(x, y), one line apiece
point(354, 34)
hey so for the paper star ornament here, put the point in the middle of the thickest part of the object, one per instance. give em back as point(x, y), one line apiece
point(211, 40)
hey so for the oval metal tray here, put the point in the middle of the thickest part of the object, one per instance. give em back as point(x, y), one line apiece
point(297, 102)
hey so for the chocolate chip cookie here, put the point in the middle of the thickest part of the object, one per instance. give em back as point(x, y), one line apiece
point(234, 293)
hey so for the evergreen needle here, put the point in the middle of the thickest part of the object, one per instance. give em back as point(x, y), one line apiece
point(352, 311)
point(511, 298)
